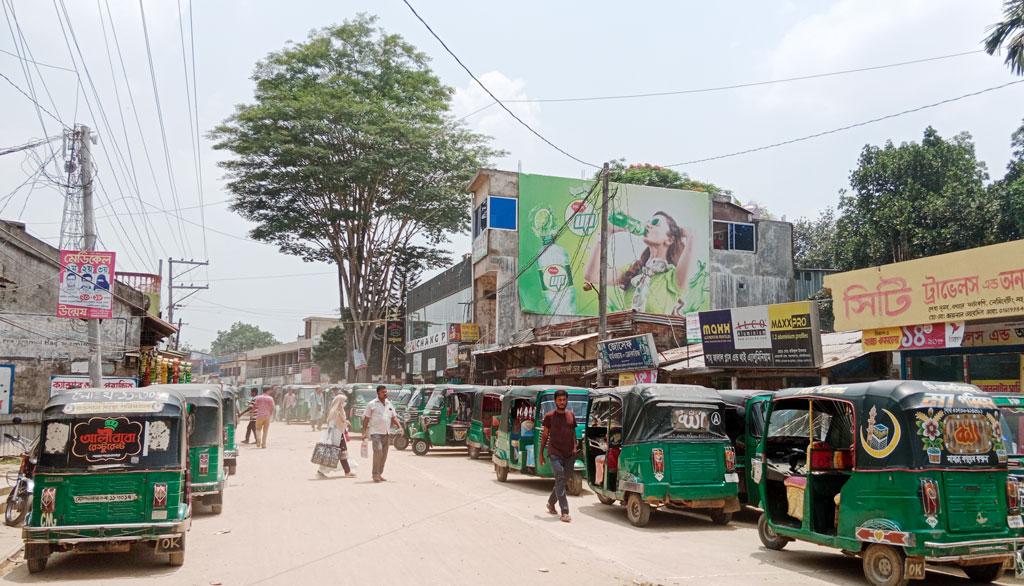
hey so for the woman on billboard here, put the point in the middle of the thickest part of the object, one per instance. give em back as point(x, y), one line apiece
point(656, 281)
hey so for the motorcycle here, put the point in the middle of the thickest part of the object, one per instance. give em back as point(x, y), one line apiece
point(19, 500)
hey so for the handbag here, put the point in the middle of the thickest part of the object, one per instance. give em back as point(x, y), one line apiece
point(326, 455)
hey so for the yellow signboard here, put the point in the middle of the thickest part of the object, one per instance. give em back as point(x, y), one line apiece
point(980, 283)
point(627, 379)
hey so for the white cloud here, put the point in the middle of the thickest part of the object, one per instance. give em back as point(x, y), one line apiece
point(493, 121)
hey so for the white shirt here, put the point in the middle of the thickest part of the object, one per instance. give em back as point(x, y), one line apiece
point(377, 417)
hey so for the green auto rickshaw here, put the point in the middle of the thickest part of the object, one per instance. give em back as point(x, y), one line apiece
point(410, 415)
point(230, 410)
point(445, 418)
point(901, 473)
point(656, 445)
point(112, 471)
point(517, 443)
point(1012, 408)
point(744, 423)
point(400, 400)
point(483, 423)
point(359, 394)
point(207, 473)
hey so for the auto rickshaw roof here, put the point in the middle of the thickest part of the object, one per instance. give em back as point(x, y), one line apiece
point(229, 392)
point(651, 393)
point(739, 397)
point(907, 393)
point(200, 395)
point(97, 401)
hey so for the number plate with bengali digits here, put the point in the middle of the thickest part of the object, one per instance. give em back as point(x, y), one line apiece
point(734, 477)
point(1015, 522)
point(170, 543)
point(915, 568)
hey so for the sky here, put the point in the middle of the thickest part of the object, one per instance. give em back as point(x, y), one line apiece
point(523, 50)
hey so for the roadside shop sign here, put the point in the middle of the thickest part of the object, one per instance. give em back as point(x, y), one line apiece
point(396, 332)
point(525, 372)
point(453, 356)
point(463, 332)
point(630, 353)
point(784, 335)
point(569, 368)
point(6, 387)
point(434, 340)
point(693, 328)
point(995, 334)
point(639, 377)
point(62, 383)
point(85, 282)
point(920, 337)
point(975, 284)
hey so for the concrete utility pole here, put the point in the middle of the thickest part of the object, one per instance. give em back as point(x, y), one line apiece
point(89, 240)
point(602, 288)
point(171, 304)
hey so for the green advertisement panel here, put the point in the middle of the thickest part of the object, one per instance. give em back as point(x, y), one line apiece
point(658, 248)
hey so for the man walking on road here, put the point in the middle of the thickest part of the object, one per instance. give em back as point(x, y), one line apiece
point(250, 429)
point(559, 437)
point(264, 405)
point(377, 420)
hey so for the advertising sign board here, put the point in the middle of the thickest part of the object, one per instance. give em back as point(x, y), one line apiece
point(785, 335)
point(85, 284)
point(628, 354)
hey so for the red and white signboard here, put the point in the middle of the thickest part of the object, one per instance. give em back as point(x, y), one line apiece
point(86, 283)
point(920, 337)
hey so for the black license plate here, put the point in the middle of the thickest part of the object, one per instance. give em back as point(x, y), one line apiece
point(170, 543)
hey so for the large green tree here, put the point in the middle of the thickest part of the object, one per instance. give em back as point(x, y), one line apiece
point(814, 241)
point(1009, 192)
point(239, 338)
point(1008, 35)
point(331, 354)
point(349, 155)
point(914, 200)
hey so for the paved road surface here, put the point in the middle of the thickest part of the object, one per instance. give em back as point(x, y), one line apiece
point(442, 519)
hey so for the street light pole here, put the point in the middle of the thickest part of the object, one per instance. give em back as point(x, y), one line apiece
point(602, 291)
point(89, 243)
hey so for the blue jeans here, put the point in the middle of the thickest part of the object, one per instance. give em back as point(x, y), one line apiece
point(562, 467)
point(380, 453)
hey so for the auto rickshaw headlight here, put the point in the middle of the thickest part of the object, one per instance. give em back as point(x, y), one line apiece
point(730, 459)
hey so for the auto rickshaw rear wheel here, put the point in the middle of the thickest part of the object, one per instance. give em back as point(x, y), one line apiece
point(232, 469)
point(637, 511)
point(216, 508)
point(501, 472)
point(605, 500)
point(574, 487)
point(986, 573)
point(177, 558)
point(420, 447)
point(883, 565)
point(474, 452)
point(36, 565)
point(720, 517)
point(401, 442)
point(769, 538)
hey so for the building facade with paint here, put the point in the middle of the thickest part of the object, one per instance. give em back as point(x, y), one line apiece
point(438, 326)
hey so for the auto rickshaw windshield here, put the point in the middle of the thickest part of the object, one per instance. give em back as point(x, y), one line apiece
point(1013, 430)
point(436, 399)
point(111, 441)
point(577, 404)
point(203, 426)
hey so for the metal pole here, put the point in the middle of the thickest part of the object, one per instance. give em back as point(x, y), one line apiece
point(170, 290)
point(89, 243)
point(602, 288)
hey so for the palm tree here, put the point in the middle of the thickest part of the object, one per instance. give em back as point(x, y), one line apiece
point(1009, 35)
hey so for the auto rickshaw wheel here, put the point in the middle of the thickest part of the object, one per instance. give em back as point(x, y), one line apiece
point(769, 538)
point(216, 508)
point(574, 487)
point(883, 565)
point(605, 500)
point(420, 447)
point(177, 558)
point(986, 573)
point(231, 469)
point(637, 511)
point(36, 565)
point(474, 452)
point(401, 442)
point(720, 517)
point(501, 472)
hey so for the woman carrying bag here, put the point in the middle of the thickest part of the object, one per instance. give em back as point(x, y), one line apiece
point(335, 436)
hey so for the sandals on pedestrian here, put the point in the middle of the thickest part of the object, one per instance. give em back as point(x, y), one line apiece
point(551, 509)
point(350, 475)
point(320, 474)
point(566, 518)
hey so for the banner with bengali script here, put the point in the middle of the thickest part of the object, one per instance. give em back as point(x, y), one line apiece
point(920, 337)
point(975, 284)
point(85, 283)
point(996, 334)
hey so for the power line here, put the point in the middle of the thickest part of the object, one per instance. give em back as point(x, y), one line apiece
point(195, 100)
point(848, 127)
point(33, 100)
point(490, 93)
point(744, 85)
point(40, 63)
point(160, 117)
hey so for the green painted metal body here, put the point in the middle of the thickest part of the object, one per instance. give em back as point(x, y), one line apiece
point(445, 418)
point(230, 413)
point(359, 394)
point(207, 469)
point(879, 496)
point(512, 449)
point(410, 416)
point(641, 421)
point(483, 425)
point(744, 421)
point(93, 489)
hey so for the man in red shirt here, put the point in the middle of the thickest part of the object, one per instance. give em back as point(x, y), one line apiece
point(559, 437)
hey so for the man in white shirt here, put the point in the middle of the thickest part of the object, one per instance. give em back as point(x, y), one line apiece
point(378, 418)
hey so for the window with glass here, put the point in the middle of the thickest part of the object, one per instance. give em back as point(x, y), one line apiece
point(734, 236)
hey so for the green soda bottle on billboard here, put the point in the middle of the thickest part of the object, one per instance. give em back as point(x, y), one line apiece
point(627, 223)
point(553, 266)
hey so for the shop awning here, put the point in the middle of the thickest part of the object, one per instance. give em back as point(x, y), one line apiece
point(559, 343)
point(160, 326)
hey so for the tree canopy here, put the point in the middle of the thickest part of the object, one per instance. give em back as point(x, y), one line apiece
point(647, 174)
point(349, 155)
point(239, 338)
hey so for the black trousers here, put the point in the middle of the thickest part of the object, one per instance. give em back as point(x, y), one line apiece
point(250, 430)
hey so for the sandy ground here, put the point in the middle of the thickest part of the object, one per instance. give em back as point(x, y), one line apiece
point(440, 519)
